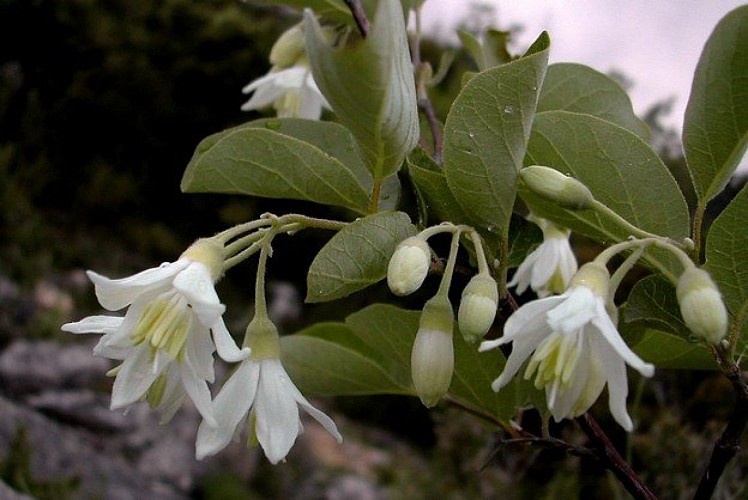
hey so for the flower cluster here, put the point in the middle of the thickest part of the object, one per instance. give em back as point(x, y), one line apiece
point(166, 341)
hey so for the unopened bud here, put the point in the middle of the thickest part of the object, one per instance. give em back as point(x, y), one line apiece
point(549, 183)
point(701, 305)
point(478, 307)
point(289, 48)
point(408, 266)
point(432, 358)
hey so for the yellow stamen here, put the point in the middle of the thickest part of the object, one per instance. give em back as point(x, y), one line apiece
point(164, 324)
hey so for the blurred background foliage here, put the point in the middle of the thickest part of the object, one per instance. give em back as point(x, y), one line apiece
point(101, 106)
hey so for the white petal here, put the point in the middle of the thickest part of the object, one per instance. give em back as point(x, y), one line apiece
point(230, 407)
point(195, 283)
point(198, 352)
point(567, 398)
point(546, 264)
point(173, 396)
point(603, 323)
point(197, 390)
point(523, 273)
point(531, 312)
point(319, 416)
point(119, 293)
point(267, 80)
point(618, 387)
point(94, 324)
point(277, 412)
point(526, 338)
point(134, 378)
point(575, 312)
point(225, 345)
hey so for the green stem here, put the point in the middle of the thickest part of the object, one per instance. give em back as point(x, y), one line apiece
point(451, 260)
point(479, 253)
point(623, 269)
point(233, 232)
point(376, 191)
point(658, 242)
point(698, 222)
point(632, 229)
point(261, 310)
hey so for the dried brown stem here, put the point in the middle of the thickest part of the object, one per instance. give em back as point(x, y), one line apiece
point(728, 443)
point(359, 16)
point(613, 461)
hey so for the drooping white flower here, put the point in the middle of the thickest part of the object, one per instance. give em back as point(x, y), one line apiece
point(261, 394)
point(574, 348)
point(291, 91)
point(164, 340)
point(549, 268)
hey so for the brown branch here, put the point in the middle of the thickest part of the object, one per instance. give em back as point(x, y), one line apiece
point(359, 16)
point(728, 443)
point(614, 462)
point(427, 107)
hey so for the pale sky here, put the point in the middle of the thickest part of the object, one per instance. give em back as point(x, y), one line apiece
point(656, 43)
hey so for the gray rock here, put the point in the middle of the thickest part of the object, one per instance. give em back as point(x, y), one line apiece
point(8, 493)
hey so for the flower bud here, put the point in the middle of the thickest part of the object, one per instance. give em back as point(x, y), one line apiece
point(701, 305)
point(289, 48)
point(478, 307)
point(432, 358)
point(549, 183)
point(408, 266)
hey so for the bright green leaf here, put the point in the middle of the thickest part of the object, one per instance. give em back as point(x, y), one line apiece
point(486, 134)
point(670, 351)
point(621, 170)
point(370, 87)
point(581, 89)
point(334, 10)
point(320, 362)
point(357, 256)
point(335, 140)
point(388, 332)
point(261, 162)
point(727, 260)
point(715, 130)
point(432, 186)
point(652, 302)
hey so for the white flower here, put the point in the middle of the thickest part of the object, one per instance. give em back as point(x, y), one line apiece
point(260, 392)
point(574, 349)
point(292, 92)
point(164, 340)
point(550, 267)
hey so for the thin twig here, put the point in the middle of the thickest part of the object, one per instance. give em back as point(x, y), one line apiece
point(728, 443)
point(610, 457)
point(423, 100)
point(359, 16)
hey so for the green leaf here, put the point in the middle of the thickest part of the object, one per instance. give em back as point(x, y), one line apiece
point(715, 130)
point(471, 382)
point(370, 87)
point(727, 260)
point(486, 135)
point(652, 302)
point(388, 333)
point(357, 256)
point(621, 170)
point(581, 89)
point(670, 351)
point(431, 183)
point(337, 141)
point(261, 162)
point(320, 361)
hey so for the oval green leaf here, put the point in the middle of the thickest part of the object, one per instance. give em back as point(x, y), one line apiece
point(581, 89)
point(357, 256)
point(715, 130)
point(261, 162)
point(486, 134)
